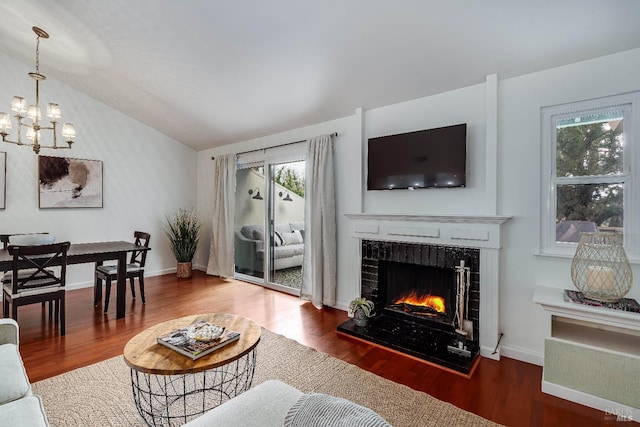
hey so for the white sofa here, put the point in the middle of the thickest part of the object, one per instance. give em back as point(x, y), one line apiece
point(288, 251)
point(18, 406)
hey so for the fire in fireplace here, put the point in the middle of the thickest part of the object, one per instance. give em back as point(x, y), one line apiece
point(420, 305)
point(425, 293)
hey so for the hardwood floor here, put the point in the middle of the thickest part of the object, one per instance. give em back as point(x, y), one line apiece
point(506, 392)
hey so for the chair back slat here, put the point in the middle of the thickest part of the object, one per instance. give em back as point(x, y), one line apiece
point(140, 257)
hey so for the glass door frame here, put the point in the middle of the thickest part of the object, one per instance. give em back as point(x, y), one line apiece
point(295, 154)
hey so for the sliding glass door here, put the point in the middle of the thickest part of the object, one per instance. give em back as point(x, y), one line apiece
point(269, 222)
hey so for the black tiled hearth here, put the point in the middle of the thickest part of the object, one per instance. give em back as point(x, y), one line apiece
point(413, 339)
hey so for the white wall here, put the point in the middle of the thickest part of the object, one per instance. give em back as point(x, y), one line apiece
point(465, 105)
point(146, 174)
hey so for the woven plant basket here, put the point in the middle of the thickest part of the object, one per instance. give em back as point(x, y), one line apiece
point(600, 267)
point(184, 270)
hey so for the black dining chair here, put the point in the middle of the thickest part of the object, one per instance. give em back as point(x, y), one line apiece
point(24, 239)
point(135, 269)
point(33, 280)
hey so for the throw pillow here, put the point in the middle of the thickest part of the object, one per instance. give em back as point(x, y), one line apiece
point(300, 234)
point(323, 410)
point(278, 240)
point(291, 238)
point(296, 225)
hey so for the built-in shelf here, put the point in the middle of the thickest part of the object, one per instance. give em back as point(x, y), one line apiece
point(596, 335)
point(552, 300)
point(592, 354)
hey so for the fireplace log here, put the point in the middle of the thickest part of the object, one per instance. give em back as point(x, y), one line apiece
point(417, 310)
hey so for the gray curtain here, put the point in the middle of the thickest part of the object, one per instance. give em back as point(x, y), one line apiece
point(319, 269)
point(221, 252)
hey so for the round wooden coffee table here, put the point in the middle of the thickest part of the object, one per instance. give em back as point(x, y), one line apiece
point(171, 389)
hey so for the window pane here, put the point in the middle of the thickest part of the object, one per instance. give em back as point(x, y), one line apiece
point(590, 144)
point(584, 208)
point(287, 250)
point(249, 221)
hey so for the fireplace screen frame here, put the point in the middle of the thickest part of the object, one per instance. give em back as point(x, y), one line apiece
point(421, 279)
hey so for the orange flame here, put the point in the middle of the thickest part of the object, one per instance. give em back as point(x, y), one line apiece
point(436, 303)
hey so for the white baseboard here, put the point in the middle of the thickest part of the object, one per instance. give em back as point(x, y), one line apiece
point(617, 411)
point(488, 353)
point(522, 355)
point(341, 306)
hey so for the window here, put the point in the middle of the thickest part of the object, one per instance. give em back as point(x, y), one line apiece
point(588, 159)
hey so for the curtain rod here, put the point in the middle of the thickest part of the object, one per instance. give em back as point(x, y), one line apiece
point(334, 134)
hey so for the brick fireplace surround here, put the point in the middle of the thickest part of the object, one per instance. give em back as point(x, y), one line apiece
point(443, 233)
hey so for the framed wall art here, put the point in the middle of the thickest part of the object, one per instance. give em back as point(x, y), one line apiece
point(69, 183)
point(3, 179)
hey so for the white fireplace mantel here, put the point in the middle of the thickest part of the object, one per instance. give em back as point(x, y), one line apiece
point(481, 219)
point(470, 231)
point(475, 231)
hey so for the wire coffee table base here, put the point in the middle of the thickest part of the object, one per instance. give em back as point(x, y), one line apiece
point(168, 400)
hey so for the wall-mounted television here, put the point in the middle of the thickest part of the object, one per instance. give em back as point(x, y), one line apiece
point(431, 158)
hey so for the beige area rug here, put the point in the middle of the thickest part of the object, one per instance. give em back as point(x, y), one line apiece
point(100, 394)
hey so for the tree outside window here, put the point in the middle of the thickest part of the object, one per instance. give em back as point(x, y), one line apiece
point(291, 179)
point(589, 174)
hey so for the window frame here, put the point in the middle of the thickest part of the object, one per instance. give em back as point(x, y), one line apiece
point(629, 104)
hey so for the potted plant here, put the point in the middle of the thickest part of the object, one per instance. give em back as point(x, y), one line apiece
point(183, 230)
point(360, 309)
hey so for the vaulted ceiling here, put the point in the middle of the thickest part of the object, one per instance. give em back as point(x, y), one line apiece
point(214, 72)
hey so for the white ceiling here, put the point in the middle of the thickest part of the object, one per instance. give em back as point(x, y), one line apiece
point(214, 72)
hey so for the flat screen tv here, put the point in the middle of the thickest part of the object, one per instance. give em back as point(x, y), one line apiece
point(431, 158)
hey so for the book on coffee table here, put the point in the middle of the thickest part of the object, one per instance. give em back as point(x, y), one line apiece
point(199, 339)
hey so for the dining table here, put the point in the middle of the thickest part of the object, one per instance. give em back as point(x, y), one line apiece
point(82, 253)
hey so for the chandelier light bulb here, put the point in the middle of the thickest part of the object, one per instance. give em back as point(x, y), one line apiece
point(31, 134)
point(5, 122)
point(68, 131)
point(53, 111)
point(19, 105)
point(34, 112)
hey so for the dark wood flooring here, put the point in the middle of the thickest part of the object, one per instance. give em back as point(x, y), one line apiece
point(506, 392)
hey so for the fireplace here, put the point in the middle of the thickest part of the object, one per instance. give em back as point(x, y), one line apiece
point(417, 290)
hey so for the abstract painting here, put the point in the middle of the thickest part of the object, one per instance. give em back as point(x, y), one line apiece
point(3, 179)
point(69, 183)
